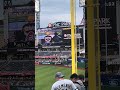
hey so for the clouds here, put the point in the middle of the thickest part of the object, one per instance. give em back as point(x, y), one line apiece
point(55, 6)
point(57, 10)
point(54, 3)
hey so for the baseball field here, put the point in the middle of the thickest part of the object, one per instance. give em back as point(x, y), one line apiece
point(44, 75)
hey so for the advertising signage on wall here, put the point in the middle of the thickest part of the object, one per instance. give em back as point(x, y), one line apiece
point(59, 25)
point(57, 37)
point(50, 37)
point(107, 26)
point(109, 44)
point(108, 34)
point(21, 27)
point(21, 11)
point(104, 23)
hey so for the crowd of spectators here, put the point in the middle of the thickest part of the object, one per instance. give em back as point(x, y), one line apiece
point(15, 66)
point(53, 53)
point(16, 81)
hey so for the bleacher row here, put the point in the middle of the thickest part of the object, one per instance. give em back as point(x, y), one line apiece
point(19, 83)
point(16, 66)
point(13, 82)
point(53, 53)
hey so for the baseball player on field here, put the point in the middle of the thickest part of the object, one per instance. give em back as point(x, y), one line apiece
point(62, 84)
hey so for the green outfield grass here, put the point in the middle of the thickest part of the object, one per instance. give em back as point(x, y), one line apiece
point(44, 75)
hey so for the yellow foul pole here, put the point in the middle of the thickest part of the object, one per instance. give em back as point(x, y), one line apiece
point(91, 46)
point(72, 9)
point(75, 40)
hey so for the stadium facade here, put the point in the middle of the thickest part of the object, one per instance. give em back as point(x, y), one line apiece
point(54, 43)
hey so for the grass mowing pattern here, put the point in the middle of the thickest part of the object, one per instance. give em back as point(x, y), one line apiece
point(44, 75)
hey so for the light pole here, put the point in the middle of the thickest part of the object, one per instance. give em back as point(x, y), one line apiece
point(37, 20)
point(82, 4)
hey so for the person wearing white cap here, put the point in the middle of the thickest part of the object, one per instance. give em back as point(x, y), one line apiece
point(62, 84)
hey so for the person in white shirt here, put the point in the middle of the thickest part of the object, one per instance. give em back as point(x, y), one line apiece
point(62, 84)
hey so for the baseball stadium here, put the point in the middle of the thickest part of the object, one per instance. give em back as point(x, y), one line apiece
point(55, 56)
point(31, 55)
point(91, 49)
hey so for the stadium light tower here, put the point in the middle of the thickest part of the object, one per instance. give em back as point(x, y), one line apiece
point(81, 3)
point(37, 13)
point(37, 18)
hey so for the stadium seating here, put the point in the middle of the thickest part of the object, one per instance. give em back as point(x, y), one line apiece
point(15, 66)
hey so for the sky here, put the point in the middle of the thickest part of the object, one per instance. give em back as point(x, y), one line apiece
point(58, 10)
